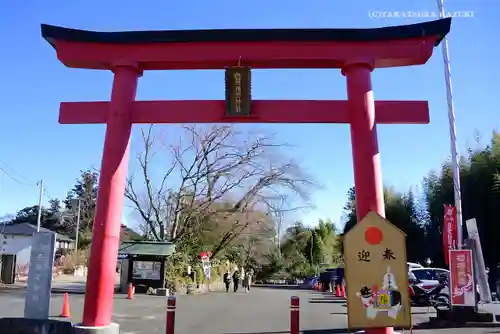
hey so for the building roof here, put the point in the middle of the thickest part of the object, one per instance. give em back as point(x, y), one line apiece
point(146, 248)
point(28, 229)
point(62, 237)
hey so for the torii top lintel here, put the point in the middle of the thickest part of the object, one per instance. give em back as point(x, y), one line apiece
point(258, 48)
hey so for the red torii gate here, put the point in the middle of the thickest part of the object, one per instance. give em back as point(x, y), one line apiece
point(355, 51)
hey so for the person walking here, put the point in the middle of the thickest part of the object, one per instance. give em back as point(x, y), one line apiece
point(227, 280)
point(236, 280)
point(247, 281)
point(497, 282)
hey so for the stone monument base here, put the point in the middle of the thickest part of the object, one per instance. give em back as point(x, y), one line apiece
point(26, 325)
point(109, 329)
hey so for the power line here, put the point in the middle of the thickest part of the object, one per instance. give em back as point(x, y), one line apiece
point(16, 179)
point(46, 193)
point(13, 170)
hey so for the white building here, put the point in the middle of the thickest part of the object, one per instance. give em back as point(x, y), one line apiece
point(16, 240)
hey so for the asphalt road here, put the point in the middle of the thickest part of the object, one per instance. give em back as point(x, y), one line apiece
point(262, 311)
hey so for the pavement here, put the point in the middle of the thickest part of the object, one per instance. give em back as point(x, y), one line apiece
point(264, 310)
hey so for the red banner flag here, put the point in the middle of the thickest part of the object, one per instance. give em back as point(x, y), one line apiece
point(462, 284)
point(449, 230)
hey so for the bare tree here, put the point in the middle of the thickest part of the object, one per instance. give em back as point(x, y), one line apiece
point(134, 219)
point(276, 209)
point(215, 175)
point(250, 249)
point(257, 241)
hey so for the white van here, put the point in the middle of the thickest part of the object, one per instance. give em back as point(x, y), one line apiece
point(413, 265)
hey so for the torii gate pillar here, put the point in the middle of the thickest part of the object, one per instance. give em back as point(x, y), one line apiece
point(356, 51)
point(365, 152)
point(107, 221)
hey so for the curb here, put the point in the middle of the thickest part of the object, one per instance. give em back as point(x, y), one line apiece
point(12, 288)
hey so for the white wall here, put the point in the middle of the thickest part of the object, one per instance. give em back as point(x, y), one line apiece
point(19, 245)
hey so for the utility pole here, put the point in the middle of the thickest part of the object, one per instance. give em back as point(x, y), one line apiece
point(39, 215)
point(77, 226)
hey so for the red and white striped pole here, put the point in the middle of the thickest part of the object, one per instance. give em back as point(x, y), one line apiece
point(294, 315)
point(170, 317)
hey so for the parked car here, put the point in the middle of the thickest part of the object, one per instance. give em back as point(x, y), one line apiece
point(428, 277)
point(413, 265)
point(309, 282)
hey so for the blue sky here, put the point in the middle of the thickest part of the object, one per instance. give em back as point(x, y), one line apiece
point(35, 146)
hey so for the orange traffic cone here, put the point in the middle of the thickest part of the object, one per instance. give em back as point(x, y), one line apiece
point(130, 294)
point(65, 309)
point(337, 291)
point(343, 291)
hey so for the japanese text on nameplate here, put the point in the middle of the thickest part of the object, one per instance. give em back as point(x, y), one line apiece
point(388, 254)
point(364, 256)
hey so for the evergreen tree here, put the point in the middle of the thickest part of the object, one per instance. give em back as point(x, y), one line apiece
point(85, 191)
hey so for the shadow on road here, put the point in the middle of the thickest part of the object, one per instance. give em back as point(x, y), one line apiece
point(277, 286)
point(327, 331)
point(304, 331)
point(326, 297)
point(432, 324)
point(339, 313)
point(319, 298)
point(421, 326)
point(324, 294)
point(325, 301)
point(280, 332)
